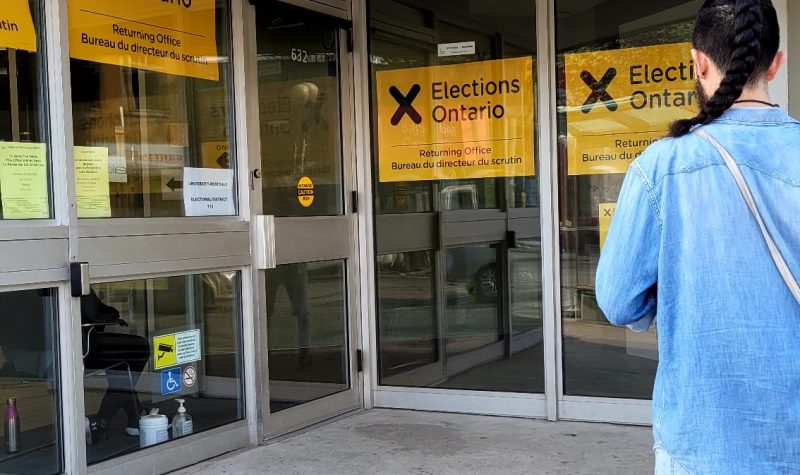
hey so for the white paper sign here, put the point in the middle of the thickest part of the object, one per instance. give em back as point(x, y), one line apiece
point(457, 49)
point(208, 192)
point(187, 347)
point(117, 169)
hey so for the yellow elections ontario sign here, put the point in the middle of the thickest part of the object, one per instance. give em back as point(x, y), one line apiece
point(621, 101)
point(16, 26)
point(472, 120)
point(168, 36)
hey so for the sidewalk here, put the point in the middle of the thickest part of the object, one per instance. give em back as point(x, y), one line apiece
point(400, 442)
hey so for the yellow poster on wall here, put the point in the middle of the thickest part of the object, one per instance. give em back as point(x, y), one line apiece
point(91, 182)
point(621, 101)
point(606, 215)
point(23, 180)
point(472, 120)
point(168, 36)
point(16, 26)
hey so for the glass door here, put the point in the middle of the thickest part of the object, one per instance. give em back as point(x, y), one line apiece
point(305, 114)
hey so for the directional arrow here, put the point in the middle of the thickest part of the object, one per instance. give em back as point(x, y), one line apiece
point(224, 160)
point(174, 184)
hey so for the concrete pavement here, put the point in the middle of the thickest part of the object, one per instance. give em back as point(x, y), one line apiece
point(405, 442)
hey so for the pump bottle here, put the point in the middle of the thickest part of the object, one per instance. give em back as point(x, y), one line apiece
point(182, 422)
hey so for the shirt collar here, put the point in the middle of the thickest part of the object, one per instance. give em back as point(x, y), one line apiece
point(773, 115)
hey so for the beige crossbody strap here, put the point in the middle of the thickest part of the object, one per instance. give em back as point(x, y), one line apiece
point(780, 263)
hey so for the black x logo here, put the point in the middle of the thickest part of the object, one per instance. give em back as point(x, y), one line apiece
point(607, 213)
point(404, 102)
point(599, 91)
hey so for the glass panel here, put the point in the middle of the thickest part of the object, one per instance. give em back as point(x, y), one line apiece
point(151, 143)
point(148, 344)
point(307, 327)
point(600, 360)
point(298, 88)
point(24, 165)
point(408, 332)
point(466, 317)
point(31, 438)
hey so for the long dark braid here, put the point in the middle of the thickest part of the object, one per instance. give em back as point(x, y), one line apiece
point(745, 60)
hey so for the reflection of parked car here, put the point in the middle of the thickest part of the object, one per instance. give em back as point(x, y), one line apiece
point(479, 268)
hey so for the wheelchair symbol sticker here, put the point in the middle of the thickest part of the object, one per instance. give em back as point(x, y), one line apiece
point(171, 381)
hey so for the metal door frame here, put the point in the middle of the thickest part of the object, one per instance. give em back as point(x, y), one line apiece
point(303, 415)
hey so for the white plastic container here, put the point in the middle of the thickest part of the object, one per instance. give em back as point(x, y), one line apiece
point(153, 429)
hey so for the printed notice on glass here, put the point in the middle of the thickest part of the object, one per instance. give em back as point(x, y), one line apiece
point(174, 37)
point(16, 26)
point(91, 182)
point(23, 180)
point(208, 192)
point(462, 121)
point(621, 101)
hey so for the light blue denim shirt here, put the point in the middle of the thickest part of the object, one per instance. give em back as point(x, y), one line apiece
point(684, 248)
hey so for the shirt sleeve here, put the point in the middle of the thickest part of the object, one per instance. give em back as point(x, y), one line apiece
point(627, 273)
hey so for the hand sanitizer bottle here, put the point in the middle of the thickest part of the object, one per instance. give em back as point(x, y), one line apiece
point(182, 422)
point(12, 427)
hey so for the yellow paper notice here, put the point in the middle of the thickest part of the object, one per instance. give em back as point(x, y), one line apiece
point(91, 182)
point(621, 101)
point(16, 26)
point(472, 120)
point(606, 215)
point(23, 180)
point(173, 37)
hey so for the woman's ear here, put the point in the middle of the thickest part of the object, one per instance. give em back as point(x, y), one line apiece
point(775, 67)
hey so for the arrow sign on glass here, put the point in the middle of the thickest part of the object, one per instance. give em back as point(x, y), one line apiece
point(174, 184)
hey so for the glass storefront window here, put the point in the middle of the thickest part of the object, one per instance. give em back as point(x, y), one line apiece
point(608, 111)
point(458, 311)
point(29, 390)
point(24, 169)
point(150, 344)
point(151, 93)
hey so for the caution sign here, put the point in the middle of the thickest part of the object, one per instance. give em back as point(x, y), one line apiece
point(606, 214)
point(305, 192)
point(16, 26)
point(621, 101)
point(168, 36)
point(472, 120)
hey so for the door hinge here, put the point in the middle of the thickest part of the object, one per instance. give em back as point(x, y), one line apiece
point(359, 361)
point(354, 201)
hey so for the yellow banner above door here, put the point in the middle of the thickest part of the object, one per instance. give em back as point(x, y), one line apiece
point(16, 26)
point(472, 120)
point(621, 101)
point(168, 36)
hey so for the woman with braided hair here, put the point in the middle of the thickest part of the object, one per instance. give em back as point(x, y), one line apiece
point(706, 239)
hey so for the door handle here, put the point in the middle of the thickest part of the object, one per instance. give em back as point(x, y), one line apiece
point(265, 242)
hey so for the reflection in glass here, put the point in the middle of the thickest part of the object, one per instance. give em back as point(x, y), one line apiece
point(465, 315)
point(407, 325)
point(29, 374)
point(298, 89)
point(24, 194)
point(151, 127)
point(600, 360)
point(307, 328)
point(148, 342)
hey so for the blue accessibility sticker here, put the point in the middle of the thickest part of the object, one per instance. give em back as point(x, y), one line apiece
point(171, 381)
